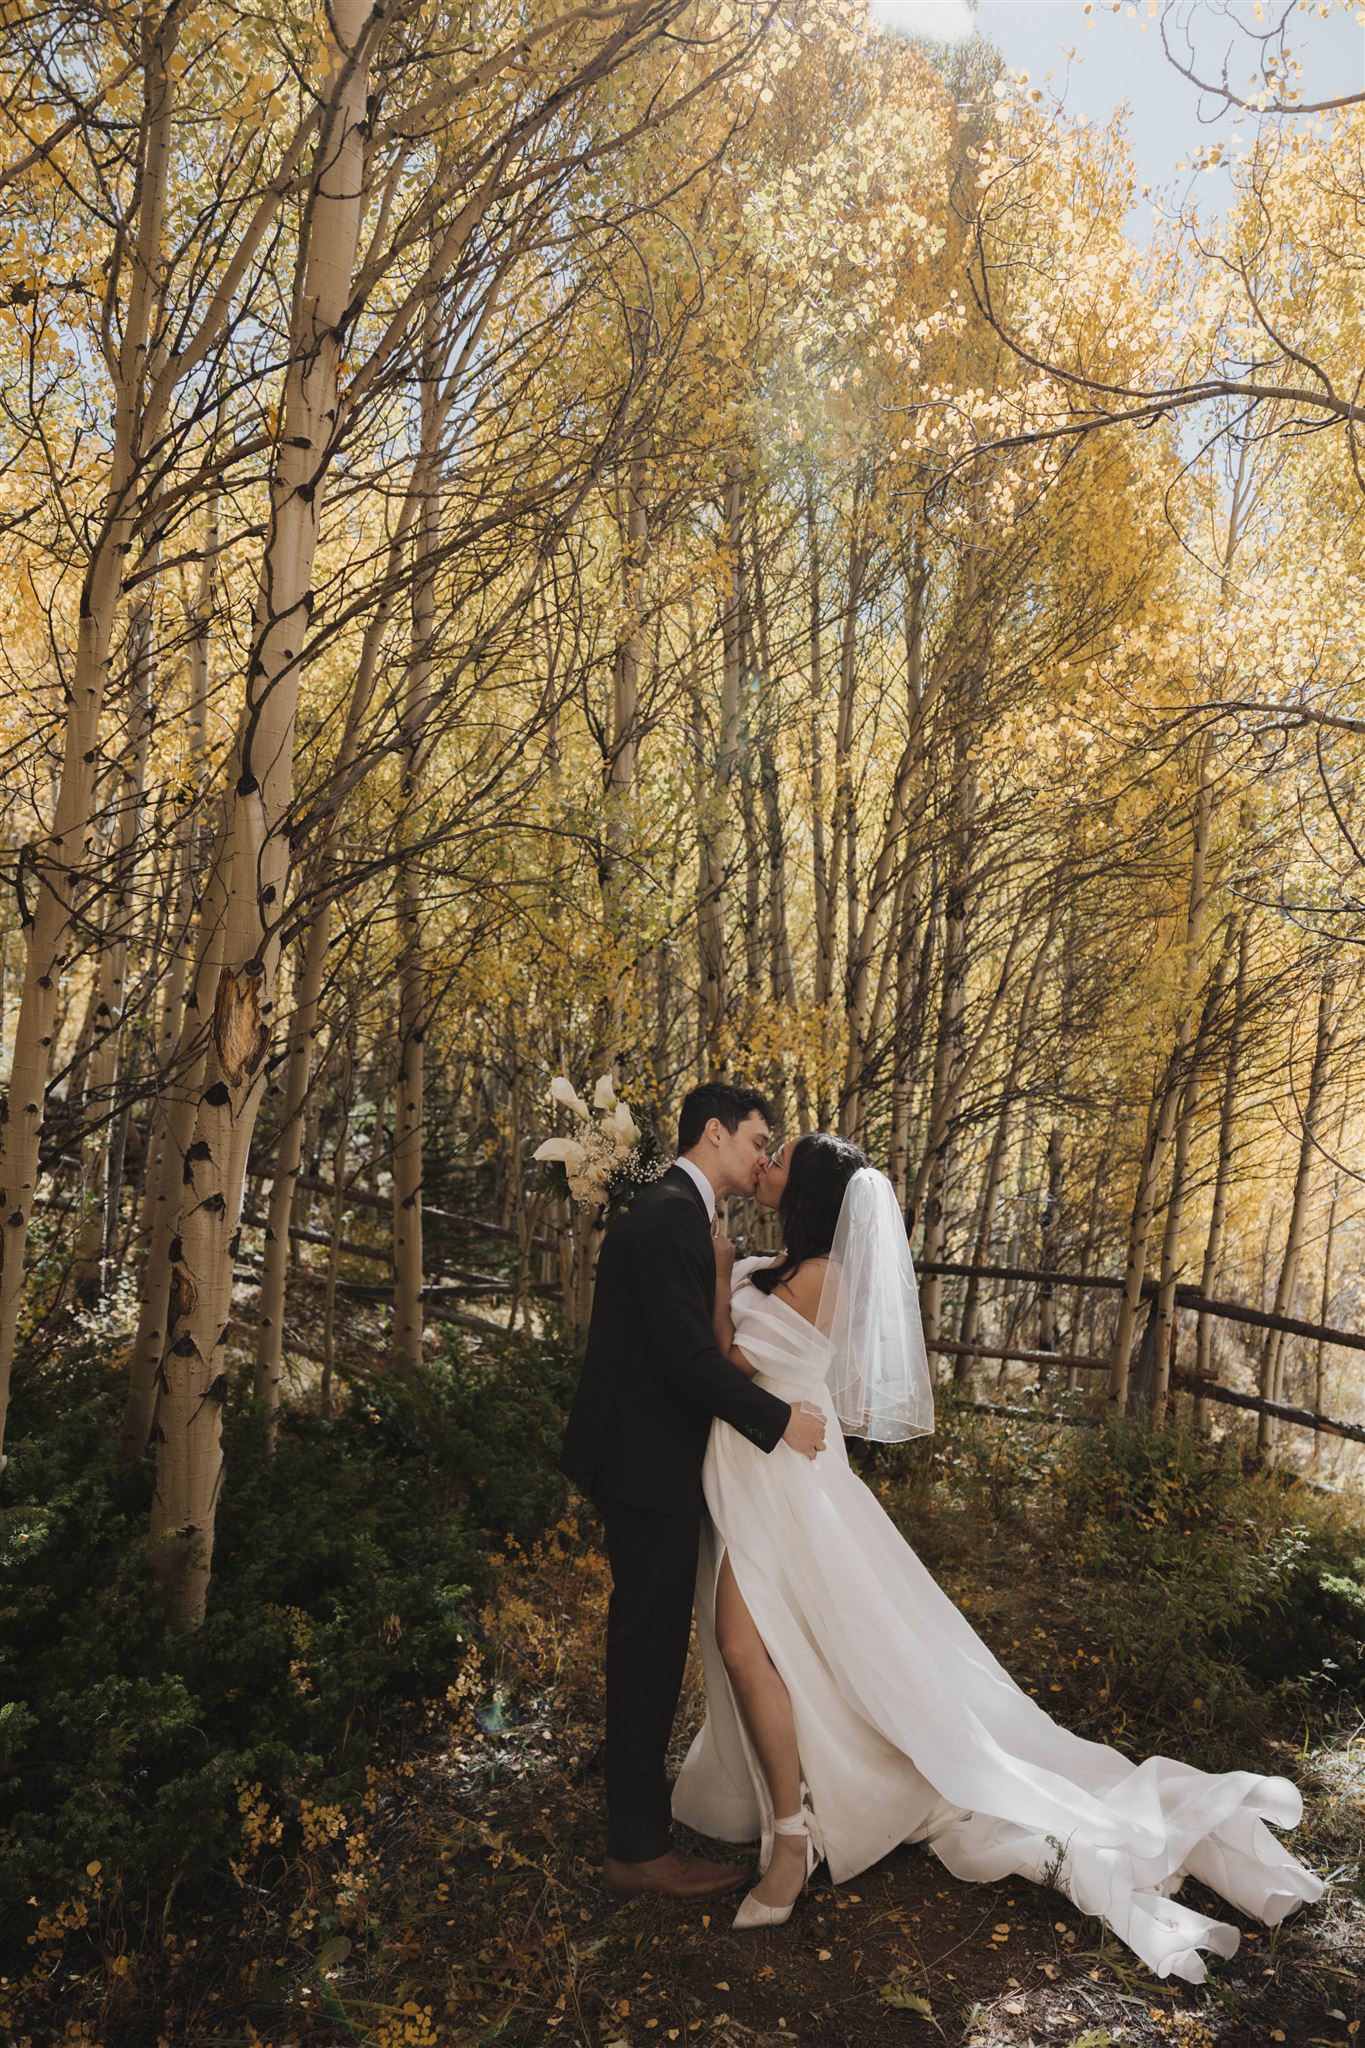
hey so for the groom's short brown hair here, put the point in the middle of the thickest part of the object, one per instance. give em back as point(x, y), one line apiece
point(718, 1098)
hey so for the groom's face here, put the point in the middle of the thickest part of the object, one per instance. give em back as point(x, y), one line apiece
point(741, 1154)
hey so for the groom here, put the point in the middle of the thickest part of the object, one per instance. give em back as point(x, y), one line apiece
point(653, 1381)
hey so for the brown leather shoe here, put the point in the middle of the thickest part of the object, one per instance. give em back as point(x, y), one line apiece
point(674, 1877)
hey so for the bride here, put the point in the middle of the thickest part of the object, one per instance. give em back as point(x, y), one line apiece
point(850, 1705)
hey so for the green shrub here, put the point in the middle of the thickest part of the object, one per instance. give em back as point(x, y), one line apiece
point(343, 1567)
point(1220, 1584)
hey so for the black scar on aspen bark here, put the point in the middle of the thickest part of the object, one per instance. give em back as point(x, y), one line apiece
point(177, 1250)
point(184, 1296)
point(214, 1204)
point(183, 1347)
point(240, 1032)
point(247, 784)
point(218, 1096)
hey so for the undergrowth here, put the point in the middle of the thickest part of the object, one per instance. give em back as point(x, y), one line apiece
point(1222, 1597)
point(203, 1839)
point(348, 1570)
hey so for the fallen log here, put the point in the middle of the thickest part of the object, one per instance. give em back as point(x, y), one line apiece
point(373, 1290)
point(1185, 1297)
point(443, 1218)
point(1302, 1418)
point(1082, 1360)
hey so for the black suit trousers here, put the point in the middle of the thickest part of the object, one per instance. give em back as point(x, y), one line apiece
point(653, 1560)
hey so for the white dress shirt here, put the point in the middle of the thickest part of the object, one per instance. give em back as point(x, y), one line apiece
point(703, 1185)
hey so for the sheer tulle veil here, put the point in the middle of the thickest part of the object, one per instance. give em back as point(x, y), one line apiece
point(878, 1377)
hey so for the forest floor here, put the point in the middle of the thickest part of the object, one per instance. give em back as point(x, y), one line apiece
point(459, 1904)
point(513, 1940)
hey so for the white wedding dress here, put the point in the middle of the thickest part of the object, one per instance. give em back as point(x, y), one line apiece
point(908, 1728)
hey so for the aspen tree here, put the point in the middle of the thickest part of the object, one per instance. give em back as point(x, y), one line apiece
point(1271, 1374)
point(412, 993)
point(256, 856)
point(995, 1163)
point(57, 859)
point(717, 839)
point(1164, 1313)
point(1167, 1105)
point(108, 1050)
point(1227, 1142)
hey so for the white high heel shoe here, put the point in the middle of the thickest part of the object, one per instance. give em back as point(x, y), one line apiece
point(753, 1911)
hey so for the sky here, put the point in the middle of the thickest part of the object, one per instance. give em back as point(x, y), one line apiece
point(1118, 58)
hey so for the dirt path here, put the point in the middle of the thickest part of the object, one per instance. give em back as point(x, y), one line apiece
point(527, 1949)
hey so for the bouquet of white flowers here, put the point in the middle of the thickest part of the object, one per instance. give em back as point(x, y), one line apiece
point(608, 1157)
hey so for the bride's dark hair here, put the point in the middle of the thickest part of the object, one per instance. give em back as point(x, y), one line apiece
point(820, 1168)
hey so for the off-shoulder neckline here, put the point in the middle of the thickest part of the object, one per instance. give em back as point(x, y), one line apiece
point(805, 1321)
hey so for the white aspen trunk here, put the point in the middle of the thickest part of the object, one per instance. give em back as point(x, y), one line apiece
point(1165, 1311)
point(966, 1057)
point(950, 1047)
point(1218, 1206)
point(412, 997)
point(777, 938)
point(624, 763)
point(50, 873)
point(698, 754)
point(1272, 1352)
point(781, 968)
point(108, 1048)
point(854, 1113)
point(1162, 1126)
point(298, 1064)
point(158, 1192)
point(165, 1189)
point(1325, 1302)
point(824, 935)
point(189, 1454)
point(755, 951)
point(1165, 1336)
point(345, 1080)
point(715, 821)
point(623, 759)
point(843, 840)
point(863, 944)
point(304, 1025)
point(911, 975)
point(1051, 1224)
point(995, 1164)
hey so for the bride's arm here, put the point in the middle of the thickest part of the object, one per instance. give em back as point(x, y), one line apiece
point(723, 1321)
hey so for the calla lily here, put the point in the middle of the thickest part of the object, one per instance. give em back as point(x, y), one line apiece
point(604, 1095)
point(624, 1124)
point(567, 1151)
point(564, 1091)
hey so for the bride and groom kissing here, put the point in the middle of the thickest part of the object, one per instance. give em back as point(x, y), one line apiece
point(850, 1706)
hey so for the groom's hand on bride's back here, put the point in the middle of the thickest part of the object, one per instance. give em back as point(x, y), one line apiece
point(805, 1431)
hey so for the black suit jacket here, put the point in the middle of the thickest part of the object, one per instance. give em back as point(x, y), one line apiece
point(653, 1377)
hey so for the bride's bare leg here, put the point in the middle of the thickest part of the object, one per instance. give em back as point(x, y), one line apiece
point(767, 1709)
